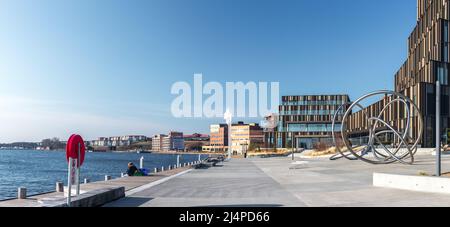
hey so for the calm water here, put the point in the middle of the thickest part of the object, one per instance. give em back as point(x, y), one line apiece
point(38, 171)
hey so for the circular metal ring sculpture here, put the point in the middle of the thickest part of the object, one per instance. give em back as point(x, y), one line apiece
point(375, 151)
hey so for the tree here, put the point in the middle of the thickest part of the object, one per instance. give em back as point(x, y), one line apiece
point(53, 144)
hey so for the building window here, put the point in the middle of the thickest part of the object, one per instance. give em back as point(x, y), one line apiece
point(442, 74)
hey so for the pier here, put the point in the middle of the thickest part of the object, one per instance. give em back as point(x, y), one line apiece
point(95, 193)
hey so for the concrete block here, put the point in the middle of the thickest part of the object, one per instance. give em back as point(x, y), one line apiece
point(93, 198)
point(412, 183)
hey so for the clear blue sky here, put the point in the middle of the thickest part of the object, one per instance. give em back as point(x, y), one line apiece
point(105, 67)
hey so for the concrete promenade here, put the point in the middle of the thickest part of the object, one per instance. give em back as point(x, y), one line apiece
point(277, 182)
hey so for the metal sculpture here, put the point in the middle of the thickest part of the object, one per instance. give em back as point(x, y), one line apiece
point(375, 151)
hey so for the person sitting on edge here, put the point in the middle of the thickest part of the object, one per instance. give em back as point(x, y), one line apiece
point(132, 169)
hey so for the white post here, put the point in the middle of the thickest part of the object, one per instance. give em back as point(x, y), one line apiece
point(69, 182)
point(178, 161)
point(86, 181)
point(107, 178)
point(141, 163)
point(228, 116)
point(156, 170)
point(162, 169)
point(78, 168)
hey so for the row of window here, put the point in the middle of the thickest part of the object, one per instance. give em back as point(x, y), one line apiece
point(312, 127)
point(313, 103)
point(311, 112)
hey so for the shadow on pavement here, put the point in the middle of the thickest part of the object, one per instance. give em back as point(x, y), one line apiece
point(248, 205)
point(131, 202)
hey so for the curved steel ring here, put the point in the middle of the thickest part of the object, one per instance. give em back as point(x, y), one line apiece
point(378, 126)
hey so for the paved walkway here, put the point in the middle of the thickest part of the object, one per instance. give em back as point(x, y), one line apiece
point(320, 183)
point(236, 183)
point(280, 182)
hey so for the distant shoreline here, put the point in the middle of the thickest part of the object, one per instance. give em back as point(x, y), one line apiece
point(131, 152)
point(179, 152)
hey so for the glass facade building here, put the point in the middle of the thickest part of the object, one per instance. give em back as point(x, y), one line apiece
point(306, 120)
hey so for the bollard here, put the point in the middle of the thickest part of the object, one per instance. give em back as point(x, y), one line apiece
point(141, 162)
point(22, 193)
point(59, 187)
point(170, 167)
point(162, 169)
point(156, 170)
point(122, 175)
point(107, 178)
point(86, 181)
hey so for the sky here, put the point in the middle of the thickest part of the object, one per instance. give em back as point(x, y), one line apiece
point(106, 67)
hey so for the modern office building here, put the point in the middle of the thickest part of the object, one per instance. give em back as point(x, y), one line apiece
point(306, 118)
point(244, 136)
point(218, 139)
point(427, 62)
point(157, 142)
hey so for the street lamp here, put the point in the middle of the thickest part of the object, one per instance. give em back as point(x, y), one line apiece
point(438, 130)
point(228, 116)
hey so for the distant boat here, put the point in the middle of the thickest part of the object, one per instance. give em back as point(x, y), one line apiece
point(143, 152)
